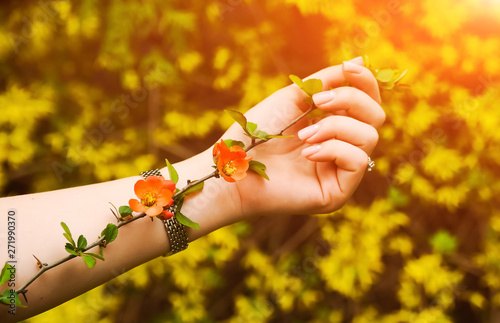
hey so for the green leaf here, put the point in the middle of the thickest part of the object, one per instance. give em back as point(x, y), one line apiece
point(194, 189)
point(386, 85)
point(94, 255)
point(186, 221)
point(67, 234)
point(125, 211)
point(6, 271)
point(310, 86)
point(262, 135)
point(385, 75)
point(251, 127)
point(71, 249)
point(238, 117)
point(174, 177)
point(401, 75)
point(6, 297)
point(82, 242)
point(230, 143)
point(259, 168)
point(297, 80)
point(313, 86)
point(89, 260)
point(110, 233)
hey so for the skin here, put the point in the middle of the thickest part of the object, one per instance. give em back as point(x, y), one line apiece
point(316, 171)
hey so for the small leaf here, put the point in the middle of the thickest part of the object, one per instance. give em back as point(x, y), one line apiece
point(6, 271)
point(110, 233)
point(174, 177)
point(297, 80)
point(230, 143)
point(82, 242)
point(194, 189)
point(68, 235)
point(310, 86)
point(401, 75)
point(186, 221)
point(385, 75)
point(261, 135)
point(89, 260)
point(238, 117)
point(6, 297)
point(94, 255)
point(386, 85)
point(71, 249)
point(251, 127)
point(313, 86)
point(259, 168)
point(125, 211)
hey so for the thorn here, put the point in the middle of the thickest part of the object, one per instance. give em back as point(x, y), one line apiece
point(23, 292)
point(114, 214)
point(188, 181)
point(38, 263)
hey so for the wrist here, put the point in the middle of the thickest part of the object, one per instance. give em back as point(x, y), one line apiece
point(217, 205)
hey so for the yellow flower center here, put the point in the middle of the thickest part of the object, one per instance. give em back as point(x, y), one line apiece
point(149, 199)
point(229, 168)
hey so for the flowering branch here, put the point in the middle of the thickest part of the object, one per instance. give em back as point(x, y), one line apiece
point(160, 198)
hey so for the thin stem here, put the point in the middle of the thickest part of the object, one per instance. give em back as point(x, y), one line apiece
point(196, 182)
point(121, 223)
point(294, 121)
point(23, 290)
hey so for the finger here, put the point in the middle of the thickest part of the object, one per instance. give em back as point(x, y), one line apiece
point(342, 128)
point(350, 161)
point(354, 102)
point(361, 78)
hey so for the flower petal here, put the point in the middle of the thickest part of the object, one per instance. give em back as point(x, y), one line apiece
point(167, 214)
point(155, 184)
point(169, 185)
point(164, 198)
point(227, 178)
point(141, 188)
point(136, 206)
point(154, 211)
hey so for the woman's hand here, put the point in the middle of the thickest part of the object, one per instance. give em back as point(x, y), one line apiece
point(318, 169)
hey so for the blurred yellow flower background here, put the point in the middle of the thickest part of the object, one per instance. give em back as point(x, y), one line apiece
point(97, 90)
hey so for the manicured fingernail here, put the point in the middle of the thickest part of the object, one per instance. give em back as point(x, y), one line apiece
point(357, 60)
point(352, 67)
point(311, 150)
point(323, 97)
point(308, 132)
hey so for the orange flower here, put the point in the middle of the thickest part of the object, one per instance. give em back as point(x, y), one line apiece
point(232, 163)
point(154, 193)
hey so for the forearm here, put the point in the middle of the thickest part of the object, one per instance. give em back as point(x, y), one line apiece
point(86, 210)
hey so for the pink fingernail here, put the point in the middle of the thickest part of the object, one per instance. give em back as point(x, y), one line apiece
point(352, 67)
point(323, 97)
point(308, 132)
point(358, 60)
point(311, 150)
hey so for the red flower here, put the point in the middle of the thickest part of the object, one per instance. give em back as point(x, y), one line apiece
point(154, 193)
point(232, 163)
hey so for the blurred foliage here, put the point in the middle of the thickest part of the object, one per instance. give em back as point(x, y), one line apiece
point(96, 90)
